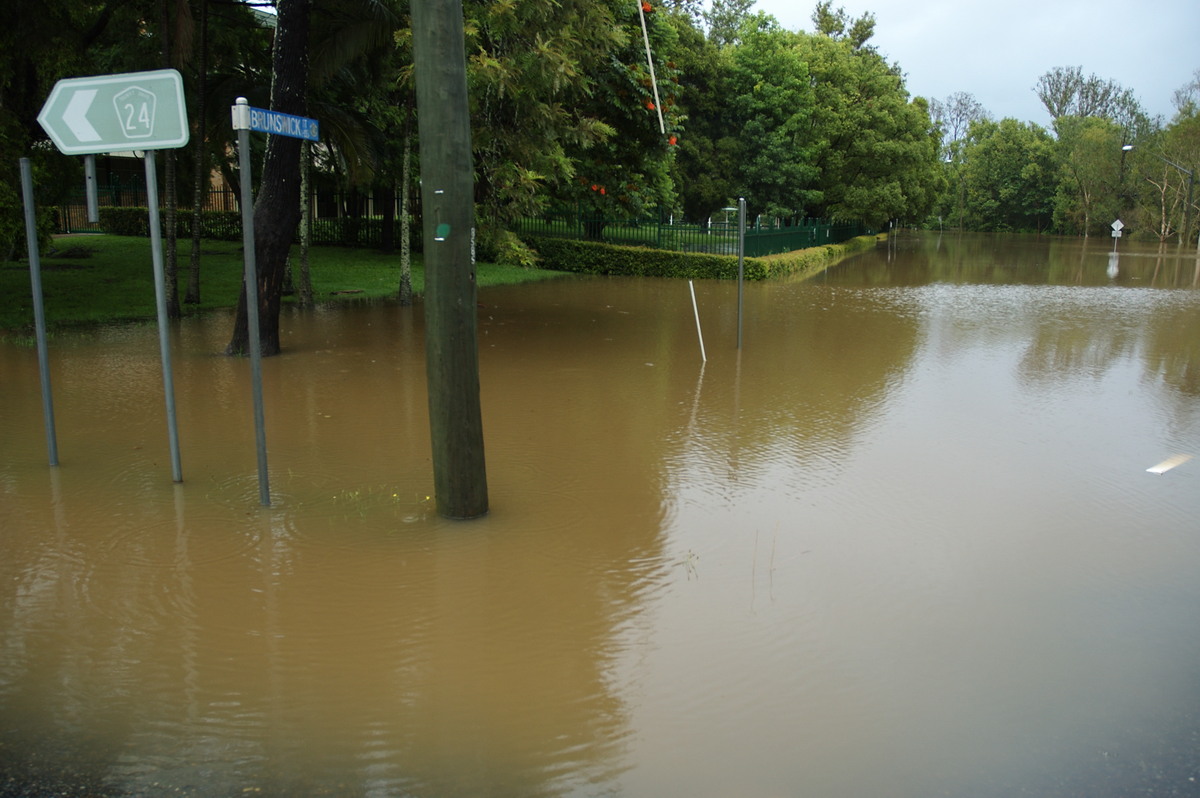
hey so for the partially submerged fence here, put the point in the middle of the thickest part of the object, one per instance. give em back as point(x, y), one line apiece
point(717, 236)
point(356, 219)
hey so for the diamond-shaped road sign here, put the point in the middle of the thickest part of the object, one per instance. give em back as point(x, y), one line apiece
point(106, 113)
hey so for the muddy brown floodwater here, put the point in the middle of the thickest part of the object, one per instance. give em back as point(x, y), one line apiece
point(903, 543)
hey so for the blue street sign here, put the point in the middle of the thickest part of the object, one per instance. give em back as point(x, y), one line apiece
point(296, 127)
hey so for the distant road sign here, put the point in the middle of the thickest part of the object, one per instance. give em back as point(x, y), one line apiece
point(105, 113)
point(296, 127)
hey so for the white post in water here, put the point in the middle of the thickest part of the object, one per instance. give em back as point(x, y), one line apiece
point(696, 311)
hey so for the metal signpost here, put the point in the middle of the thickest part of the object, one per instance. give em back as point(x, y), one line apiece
point(39, 314)
point(741, 250)
point(142, 111)
point(245, 119)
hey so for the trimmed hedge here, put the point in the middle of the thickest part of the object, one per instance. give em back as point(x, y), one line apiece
point(593, 257)
point(218, 225)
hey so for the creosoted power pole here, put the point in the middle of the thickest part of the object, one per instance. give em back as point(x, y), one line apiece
point(448, 205)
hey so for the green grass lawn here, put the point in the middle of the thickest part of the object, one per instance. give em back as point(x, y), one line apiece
point(96, 279)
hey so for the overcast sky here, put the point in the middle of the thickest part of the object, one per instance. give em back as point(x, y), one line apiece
point(997, 50)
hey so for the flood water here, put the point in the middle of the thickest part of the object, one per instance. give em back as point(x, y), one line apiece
point(903, 542)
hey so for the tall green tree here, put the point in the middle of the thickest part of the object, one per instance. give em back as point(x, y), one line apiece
point(953, 117)
point(1089, 189)
point(725, 19)
point(836, 24)
point(1160, 185)
point(875, 149)
point(562, 100)
point(1011, 176)
point(708, 144)
point(770, 111)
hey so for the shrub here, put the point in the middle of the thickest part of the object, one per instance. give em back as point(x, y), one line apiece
point(503, 247)
point(219, 225)
point(591, 257)
point(12, 225)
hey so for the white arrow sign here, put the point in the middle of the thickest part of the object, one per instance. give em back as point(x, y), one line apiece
point(104, 113)
point(75, 116)
point(1118, 225)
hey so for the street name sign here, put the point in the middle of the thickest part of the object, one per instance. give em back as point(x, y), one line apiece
point(108, 113)
point(279, 124)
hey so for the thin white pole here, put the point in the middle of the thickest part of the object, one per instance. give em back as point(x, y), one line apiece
point(662, 127)
point(696, 311)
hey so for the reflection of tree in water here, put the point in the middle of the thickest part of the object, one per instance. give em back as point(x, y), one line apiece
point(1073, 339)
point(1091, 337)
point(1172, 348)
point(1171, 361)
point(998, 259)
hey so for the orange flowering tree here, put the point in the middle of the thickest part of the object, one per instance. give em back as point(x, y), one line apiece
point(628, 173)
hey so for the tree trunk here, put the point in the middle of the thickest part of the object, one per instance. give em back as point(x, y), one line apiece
point(277, 209)
point(406, 291)
point(199, 173)
point(170, 233)
point(306, 290)
point(387, 232)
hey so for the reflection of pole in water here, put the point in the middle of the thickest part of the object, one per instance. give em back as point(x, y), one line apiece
point(184, 595)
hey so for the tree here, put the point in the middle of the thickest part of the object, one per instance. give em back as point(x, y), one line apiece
point(725, 19)
point(1088, 191)
point(628, 173)
point(876, 151)
point(231, 59)
point(1187, 98)
point(1065, 91)
point(42, 41)
point(838, 26)
point(1162, 188)
point(1011, 176)
point(707, 146)
point(770, 117)
point(953, 118)
point(277, 208)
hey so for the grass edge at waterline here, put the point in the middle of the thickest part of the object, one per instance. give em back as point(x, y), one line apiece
point(104, 279)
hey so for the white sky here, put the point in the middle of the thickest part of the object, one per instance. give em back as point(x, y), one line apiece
point(997, 50)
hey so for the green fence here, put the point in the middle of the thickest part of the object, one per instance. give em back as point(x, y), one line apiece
point(357, 220)
point(718, 237)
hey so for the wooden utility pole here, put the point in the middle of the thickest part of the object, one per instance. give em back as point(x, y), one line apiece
point(448, 204)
